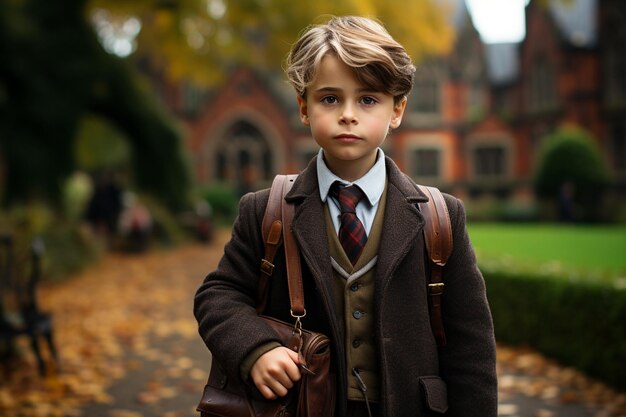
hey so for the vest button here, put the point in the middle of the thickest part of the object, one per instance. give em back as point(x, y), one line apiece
point(356, 343)
point(354, 287)
point(357, 314)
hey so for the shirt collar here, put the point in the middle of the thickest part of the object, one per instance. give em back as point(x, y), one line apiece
point(372, 183)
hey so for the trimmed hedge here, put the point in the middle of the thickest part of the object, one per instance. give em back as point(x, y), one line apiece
point(223, 201)
point(579, 323)
point(571, 172)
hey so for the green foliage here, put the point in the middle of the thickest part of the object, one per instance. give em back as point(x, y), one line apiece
point(68, 246)
point(53, 70)
point(100, 146)
point(570, 161)
point(41, 97)
point(200, 40)
point(77, 191)
point(492, 209)
point(223, 201)
point(579, 323)
point(560, 289)
point(167, 230)
point(69, 249)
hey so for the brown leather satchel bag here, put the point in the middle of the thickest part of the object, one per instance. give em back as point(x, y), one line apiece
point(314, 394)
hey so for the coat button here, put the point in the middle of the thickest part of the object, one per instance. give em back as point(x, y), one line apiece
point(356, 343)
point(354, 287)
point(357, 314)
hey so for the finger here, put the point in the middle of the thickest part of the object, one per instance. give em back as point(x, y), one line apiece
point(277, 388)
point(281, 375)
point(294, 356)
point(266, 392)
point(292, 369)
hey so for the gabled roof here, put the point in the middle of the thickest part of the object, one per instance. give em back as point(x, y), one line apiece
point(502, 62)
point(576, 21)
point(460, 14)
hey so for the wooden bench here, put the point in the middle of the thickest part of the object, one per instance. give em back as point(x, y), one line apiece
point(20, 315)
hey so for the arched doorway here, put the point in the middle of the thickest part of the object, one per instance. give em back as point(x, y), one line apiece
point(243, 157)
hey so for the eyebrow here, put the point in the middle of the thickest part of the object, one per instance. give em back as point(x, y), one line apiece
point(328, 90)
point(337, 89)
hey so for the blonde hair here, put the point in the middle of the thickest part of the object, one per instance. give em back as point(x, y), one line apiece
point(378, 60)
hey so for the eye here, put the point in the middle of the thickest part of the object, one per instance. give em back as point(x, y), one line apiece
point(369, 100)
point(329, 100)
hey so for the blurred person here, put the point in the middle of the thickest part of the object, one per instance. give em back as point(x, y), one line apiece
point(566, 202)
point(204, 225)
point(105, 205)
point(352, 80)
point(135, 224)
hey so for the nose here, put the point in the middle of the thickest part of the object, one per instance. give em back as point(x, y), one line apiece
point(348, 115)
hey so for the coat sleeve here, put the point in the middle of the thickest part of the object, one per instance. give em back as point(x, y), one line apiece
point(224, 304)
point(468, 362)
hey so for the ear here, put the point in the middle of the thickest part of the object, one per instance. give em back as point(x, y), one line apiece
point(398, 112)
point(304, 115)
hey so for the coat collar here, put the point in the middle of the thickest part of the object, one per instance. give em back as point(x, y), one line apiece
point(306, 184)
point(401, 224)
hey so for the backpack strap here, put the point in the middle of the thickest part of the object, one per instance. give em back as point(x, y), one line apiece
point(292, 255)
point(272, 232)
point(438, 237)
point(437, 234)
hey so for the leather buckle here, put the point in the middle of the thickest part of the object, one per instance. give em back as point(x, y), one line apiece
point(436, 288)
point(267, 267)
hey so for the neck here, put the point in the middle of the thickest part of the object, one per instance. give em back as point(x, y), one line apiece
point(350, 170)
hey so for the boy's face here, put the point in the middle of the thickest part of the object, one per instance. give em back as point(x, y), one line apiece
point(347, 120)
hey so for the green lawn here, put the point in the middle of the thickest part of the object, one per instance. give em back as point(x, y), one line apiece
point(584, 248)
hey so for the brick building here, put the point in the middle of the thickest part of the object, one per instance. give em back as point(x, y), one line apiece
point(473, 123)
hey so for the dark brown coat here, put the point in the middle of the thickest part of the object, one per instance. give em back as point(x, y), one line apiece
point(417, 379)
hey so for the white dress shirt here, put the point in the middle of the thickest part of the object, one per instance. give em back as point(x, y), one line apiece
point(372, 184)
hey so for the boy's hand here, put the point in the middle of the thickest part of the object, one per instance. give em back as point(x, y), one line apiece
point(275, 372)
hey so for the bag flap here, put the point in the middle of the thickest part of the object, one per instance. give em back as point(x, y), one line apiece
point(219, 402)
point(435, 393)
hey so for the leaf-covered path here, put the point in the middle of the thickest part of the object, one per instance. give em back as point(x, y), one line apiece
point(129, 348)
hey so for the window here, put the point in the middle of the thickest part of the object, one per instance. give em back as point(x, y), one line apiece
point(192, 99)
point(490, 161)
point(538, 134)
point(426, 94)
point(542, 94)
point(476, 99)
point(618, 147)
point(615, 87)
point(426, 163)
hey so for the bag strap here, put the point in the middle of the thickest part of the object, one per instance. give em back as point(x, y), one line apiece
point(276, 228)
point(292, 255)
point(438, 237)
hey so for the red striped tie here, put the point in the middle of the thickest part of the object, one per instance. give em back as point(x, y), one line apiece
point(351, 232)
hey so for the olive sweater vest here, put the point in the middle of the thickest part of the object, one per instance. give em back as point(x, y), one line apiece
point(354, 297)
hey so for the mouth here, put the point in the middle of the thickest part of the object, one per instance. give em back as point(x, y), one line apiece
point(347, 137)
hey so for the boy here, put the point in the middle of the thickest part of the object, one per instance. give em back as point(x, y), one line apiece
point(366, 287)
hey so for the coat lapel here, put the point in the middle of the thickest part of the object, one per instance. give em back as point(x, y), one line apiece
point(309, 230)
point(402, 223)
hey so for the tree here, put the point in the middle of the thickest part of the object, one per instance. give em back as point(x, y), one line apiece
point(53, 72)
point(572, 173)
point(202, 39)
